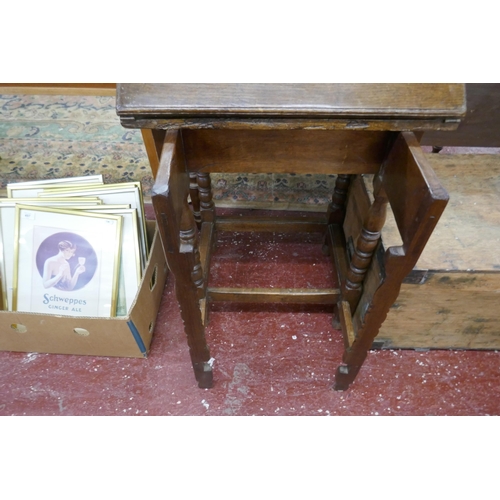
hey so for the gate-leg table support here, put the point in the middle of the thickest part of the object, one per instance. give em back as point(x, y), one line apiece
point(179, 236)
point(417, 199)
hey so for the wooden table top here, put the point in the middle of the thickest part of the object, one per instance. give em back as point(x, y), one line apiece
point(481, 125)
point(288, 100)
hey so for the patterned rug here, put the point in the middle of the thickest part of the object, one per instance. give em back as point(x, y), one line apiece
point(47, 136)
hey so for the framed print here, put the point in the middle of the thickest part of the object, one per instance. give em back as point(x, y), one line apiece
point(7, 224)
point(32, 188)
point(87, 200)
point(66, 262)
point(122, 193)
point(102, 208)
point(3, 284)
point(33, 191)
point(130, 258)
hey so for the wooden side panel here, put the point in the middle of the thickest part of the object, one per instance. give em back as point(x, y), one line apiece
point(449, 311)
point(414, 192)
point(280, 151)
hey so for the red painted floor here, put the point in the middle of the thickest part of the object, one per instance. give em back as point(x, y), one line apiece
point(269, 360)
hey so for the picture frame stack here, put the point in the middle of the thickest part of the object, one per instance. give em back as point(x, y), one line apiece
point(72, 247)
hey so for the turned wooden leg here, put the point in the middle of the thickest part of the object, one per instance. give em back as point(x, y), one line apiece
point(207, 205)
point(195, 197)
point(365, 246)
point(337, 207)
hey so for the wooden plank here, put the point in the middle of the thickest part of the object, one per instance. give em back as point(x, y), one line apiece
point(292, 99)
point(274, 295)
point(450, 310)
point(282, 151)
point(309, 224)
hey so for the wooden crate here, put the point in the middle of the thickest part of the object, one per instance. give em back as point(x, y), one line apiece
point(452, 297)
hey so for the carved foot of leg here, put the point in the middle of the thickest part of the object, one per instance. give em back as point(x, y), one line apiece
point(344, 377)
point(203, 374)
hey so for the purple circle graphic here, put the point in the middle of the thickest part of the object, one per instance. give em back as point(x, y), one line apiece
point(66, 261)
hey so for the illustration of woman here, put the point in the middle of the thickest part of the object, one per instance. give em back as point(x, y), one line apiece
point(57, 271)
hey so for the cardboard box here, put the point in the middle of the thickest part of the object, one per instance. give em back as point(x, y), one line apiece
point(128, 336)
point(451, 299)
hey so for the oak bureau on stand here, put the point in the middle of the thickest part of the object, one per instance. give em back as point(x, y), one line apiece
point(343, 129)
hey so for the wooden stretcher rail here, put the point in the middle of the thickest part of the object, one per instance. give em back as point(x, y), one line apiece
point(272, 224)
point(276, 295)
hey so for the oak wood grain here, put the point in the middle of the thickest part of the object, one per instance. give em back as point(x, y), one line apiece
point(280, 151)
point(291, 99)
